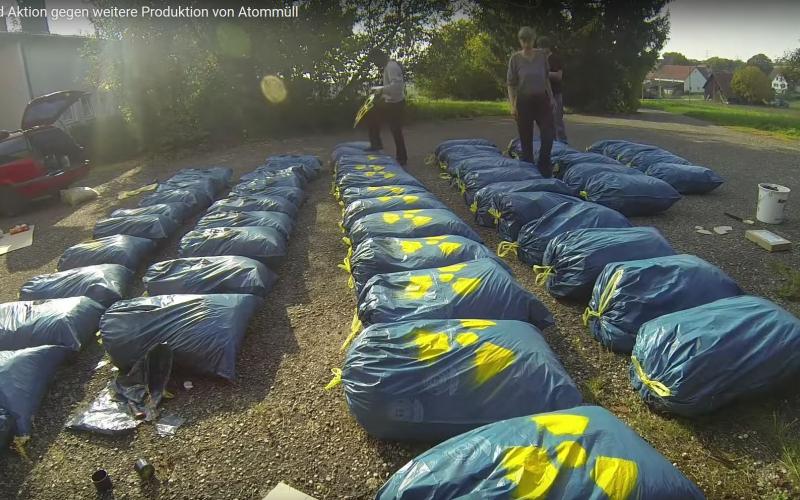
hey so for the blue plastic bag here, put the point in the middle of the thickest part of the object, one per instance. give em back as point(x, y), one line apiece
point(450, 153)
point(581, 453)
point(195, 198)
point(265, 244)
point(565, 161)
point(218, 274)
point(128, 251)
point(69, 322)
point(390, 255)
point(367, 206)
point(578, 175)
point(350, 165)
point(103, 283)
point(686, 179)
point(462, 142)
point(276, 220)
point(220, 176)
point(428, 380)
point(479, 288)
point(514, 148)
point(261, 185)
point(694, 361)
point(573, 260)
point(647, 158)
point(485, 201)
point(514, 210)
point(204, 186)
point(409, 224)
point(349, 148)
point(152, 227)
point(628, 294)
point(293, 194)
point(352, 194)
point(606, 146)
point(204, 332)
point(178, 211)
point(535, 235)
point(261, 203)
point(311, 164)
point(477, 179)
point(376, 178)
point(630, 195)
point(460, 167)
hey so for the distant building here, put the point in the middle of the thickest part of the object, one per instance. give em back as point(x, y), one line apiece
point(718, 87)
point(672, 80)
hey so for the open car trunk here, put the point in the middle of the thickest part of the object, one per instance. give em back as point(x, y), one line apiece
point(57, 148)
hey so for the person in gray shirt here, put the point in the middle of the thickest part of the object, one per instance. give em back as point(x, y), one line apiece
point(389, 106)
point(530, 96)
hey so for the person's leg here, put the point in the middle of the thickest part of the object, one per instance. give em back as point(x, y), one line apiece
point(396, 112)
point(525, 128)
point(558, 118)
point(374, 121)
point(544, 117)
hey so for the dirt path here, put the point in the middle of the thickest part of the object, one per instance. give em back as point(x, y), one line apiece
point(276, 423)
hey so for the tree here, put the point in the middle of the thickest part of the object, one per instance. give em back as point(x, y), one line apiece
point(607, 47)
point(678, 58)
point(723, 64)
point(751, 85)
point(762, 62)
point(790, 66)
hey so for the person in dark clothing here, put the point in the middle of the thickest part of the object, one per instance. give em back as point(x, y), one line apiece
point(389, 106)
point(556, 77)
point(530, 96)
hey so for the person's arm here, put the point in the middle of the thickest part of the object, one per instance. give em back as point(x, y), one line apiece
point(512, 80)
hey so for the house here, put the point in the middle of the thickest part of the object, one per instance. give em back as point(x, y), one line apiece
point(779, 83)
point(674, 79)
point(34, 64)
point(718, 87)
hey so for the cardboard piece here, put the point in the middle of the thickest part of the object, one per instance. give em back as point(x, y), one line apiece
point(768, 240)
point(285, 492)
point(11, 242)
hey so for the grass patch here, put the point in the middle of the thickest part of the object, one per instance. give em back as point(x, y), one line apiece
point(787, 438)
point(778, 122)
point(790, 289)
point(441, 109)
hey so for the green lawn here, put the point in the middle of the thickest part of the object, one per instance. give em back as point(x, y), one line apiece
point(779, 122)
point(440, 109)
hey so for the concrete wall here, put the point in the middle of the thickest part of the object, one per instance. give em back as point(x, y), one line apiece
point(14, 93)
point(694, 84)
point(55, 64)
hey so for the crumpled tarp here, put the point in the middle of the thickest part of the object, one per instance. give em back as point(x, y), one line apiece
point(26, 373)
point(220, 274)
point(276, 220)
point(630, 194)
point(152, 227)
point(265, 244)
point(536, 234)
point(103, 283)
point(476, 179)
point(352, 194)
point(573, 260)
point(260, 203)
point(578, 175)
point(428, 380)
point(128, 251)
point(176, 211)
point(479, 288)
point(366, 206)
point(686, 179)
point(203, 331)
point(390, 255)
point(485, 200)
point(514, 210)
point(69, 322)
point(410, 224)
point(583, 452)
point(195, 198)
point(694, 361)
point(628, 294)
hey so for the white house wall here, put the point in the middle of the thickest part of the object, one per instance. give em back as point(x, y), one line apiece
point(13, 86)
point(694, 83)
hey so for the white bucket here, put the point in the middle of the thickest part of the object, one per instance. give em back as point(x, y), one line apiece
point(772, 203)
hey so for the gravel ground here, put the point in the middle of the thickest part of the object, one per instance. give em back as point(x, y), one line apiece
point(276, 423)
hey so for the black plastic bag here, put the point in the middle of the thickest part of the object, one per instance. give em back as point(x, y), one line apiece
point(178, 211)
point(128, 251)
point(222, 274)
point(264, 244)
point(195, 198)
point(276, 220)
point(152, 227)
point(293, 194)
point(69, 322)
point(202, 185)
point(203, 331)
point(103, 283)
point(220, 176)
point(261, 203)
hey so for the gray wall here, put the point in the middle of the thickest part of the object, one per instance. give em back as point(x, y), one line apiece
point(13, 86)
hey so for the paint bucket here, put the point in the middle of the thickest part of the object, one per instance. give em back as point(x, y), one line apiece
point(772, 200)
point(101, 481)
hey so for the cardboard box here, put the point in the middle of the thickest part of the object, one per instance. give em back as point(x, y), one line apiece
point(768, 240)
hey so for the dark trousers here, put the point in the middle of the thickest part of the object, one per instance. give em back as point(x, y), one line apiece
point(536, 109)
point(391, 113)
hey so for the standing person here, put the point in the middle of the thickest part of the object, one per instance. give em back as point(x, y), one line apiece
point(556, 77)
point(389, 105)
point(529, 94)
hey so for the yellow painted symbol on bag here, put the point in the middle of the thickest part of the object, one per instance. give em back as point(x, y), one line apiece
point(491, 359)
point(477, 324)
point(390, 217)
point(530, 469)
point(467, 338)
point(431, 345)
point(466, 286)
point(410, 247)
point(560, 424)
point(449, 247)
point(454, 268)
point(418, 286)
point(571, 454)
point(615, 476)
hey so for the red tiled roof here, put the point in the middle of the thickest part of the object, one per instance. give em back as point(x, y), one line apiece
point(671, 72)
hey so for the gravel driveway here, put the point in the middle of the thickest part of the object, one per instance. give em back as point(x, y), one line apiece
point(276, 423)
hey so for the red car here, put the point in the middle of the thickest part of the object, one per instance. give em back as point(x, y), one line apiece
point(39, 159)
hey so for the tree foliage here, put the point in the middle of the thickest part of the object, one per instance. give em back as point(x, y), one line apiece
point(607, 46)
point(762, 62)
point(790, 66)
point(678, 58)
point(751, 85)
point(723, 64)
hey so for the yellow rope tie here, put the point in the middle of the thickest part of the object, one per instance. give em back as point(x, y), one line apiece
point(462, 188)
point(430, 160)
point(584, 195)
point(20, 446)
point(443, 165)
point(345, 265)
point(542, 274)
point(336, 380)
point(347, 242)
point(605, 298)
point(445, 176)
point(355, 327)
point(654, 385)
point(507, 247)
point(474, 207)
point(342, 228)
point(496, 215)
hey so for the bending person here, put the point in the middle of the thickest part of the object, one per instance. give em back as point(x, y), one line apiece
point(389, 106)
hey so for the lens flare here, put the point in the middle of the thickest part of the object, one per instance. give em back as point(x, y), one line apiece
point(273, 89)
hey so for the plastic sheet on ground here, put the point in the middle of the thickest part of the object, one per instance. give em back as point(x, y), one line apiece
point(26, 373)
point(694, 361)
point(261, 203)
point(517, 209)
point(367, 206)
point(573, 260)
point(352, 194)
point(203, 331)
point(536, 234)
point(410, 224)
point(630, 195)
point(686, 179)
point(578, 175)
point(428, 380)
point(265, 244)
point(477, 179)
point(479, 288)
point(152, 227)
point(121, 249)
point(195, 198)
point(176, 211)
point(628, 294)
point(276, 220)
point(583, 452)
point(222, 274)
point(69, 322)
point(485, 200)
point(103, 283)
point(390, 255)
